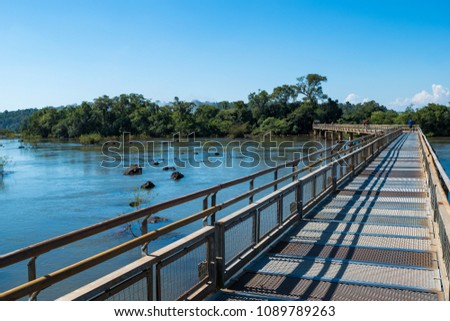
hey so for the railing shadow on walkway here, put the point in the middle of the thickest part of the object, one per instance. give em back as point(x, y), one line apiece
point(384, 168)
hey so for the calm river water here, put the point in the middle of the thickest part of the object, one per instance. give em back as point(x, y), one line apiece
point(51, 188)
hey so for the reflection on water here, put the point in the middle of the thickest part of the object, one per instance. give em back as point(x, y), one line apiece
point(57, 187)
point(441, 146)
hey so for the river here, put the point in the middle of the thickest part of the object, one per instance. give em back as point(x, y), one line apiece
point(53, 187)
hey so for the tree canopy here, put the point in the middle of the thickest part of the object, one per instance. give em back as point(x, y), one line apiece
point(277, 111)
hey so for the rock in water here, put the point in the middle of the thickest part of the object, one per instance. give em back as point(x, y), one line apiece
point(148, 185)
point(134, 204)
point(169, 168)
point(176, 176)
point(133, 170)
point(156, 219)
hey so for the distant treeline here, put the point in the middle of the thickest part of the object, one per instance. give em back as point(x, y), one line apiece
point(13, 120)
point(287, 110)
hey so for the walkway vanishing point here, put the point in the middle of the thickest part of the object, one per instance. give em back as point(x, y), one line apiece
point(367, 221)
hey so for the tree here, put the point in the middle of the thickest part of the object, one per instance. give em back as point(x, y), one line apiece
point(311, 87)
point(284, 95)
point(161, 122)
point(328, 112)
point(204, 120)
point(275, 126)
point(259, 105)
point(182, 116)
point(301, 119)
point(434, 119)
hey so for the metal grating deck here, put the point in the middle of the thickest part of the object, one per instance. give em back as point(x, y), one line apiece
point(359, 254)
point(269, 287)
point(373, 240)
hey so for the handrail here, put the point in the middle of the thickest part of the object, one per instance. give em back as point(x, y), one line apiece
point(360, 128)
point(59, 241)
point(224, 264)
point(35, 250)
point(54, 277)
point(442, 174)
point(437, 181)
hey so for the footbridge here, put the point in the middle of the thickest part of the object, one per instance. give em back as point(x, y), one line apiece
point(365, 219)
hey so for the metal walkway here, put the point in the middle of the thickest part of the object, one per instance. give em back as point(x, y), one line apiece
point(372, 240)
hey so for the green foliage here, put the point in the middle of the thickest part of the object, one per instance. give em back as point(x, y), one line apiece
point(275, 126)
point(356, 114)
point(13, 120)
point(93, 138)
point(311, 87)
point(279, 112)
point(238, 130)
point(383, 117)
point(434, 119)
point(328, 112)
point(7, 133)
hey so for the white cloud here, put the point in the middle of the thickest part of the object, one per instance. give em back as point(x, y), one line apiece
point(355, 99)
point(351, 98)
point(439, 94)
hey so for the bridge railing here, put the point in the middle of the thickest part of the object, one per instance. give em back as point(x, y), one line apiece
point(439, 186)
point(207, 197)
point(369, 128)
point(208, 258)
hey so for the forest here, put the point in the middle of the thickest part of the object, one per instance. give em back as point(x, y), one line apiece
point(286, 110)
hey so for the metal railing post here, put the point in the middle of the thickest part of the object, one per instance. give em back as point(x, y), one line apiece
point(275, 177)
point(219, 236)
point(32, 276)
point(334, 177)
point(299, 197)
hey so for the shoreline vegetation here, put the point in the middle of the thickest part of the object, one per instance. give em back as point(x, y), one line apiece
point(287, 110)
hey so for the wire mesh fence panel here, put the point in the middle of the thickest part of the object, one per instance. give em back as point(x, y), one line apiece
point(329, 177)
point(358, 158)
point(289, 204)
point(239, 238)
point(268, 218)
point(182, 274)
point(308, 192)
point(339, 170)
point(319, 183)
point(135, 292)
point(445, 243)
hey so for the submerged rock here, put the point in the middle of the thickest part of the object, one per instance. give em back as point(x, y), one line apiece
point(134, 204)
point(176, 176)
point(156, 219)
point(148, 185)
point(169, 168)
point(133, 170)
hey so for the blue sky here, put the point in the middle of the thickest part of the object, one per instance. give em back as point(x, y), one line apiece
point(63, 52)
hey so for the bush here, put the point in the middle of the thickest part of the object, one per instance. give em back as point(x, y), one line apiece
point(93, 138)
